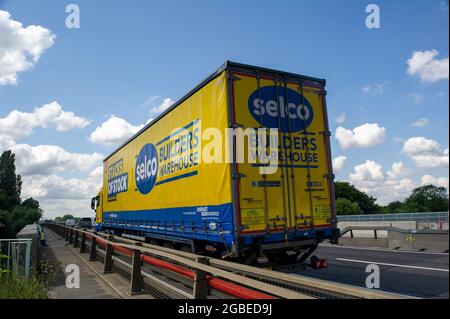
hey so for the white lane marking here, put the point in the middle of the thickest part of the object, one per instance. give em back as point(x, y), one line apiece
point(393, 265)
point(384, 250)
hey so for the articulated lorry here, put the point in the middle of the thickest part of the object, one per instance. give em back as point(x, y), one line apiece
point(179, 183)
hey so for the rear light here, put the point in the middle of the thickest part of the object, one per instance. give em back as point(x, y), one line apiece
point(319, 263)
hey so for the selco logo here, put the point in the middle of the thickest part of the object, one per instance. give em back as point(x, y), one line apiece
point(146, 168)
point(291, 113)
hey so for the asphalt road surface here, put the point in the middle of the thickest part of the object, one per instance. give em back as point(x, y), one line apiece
point(418, 274)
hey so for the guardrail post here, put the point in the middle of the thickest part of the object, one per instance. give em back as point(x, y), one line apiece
point(93, 251)
point(200, 282)
point(375, 233)
point(66, 234)
point(75, 240)
point(351, 233)
point(83, 243)
point(107, 265)
point(136, 279)
point(71, 236)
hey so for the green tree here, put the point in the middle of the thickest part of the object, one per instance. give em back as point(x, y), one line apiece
point(365, 202)
point(10, 183)
point(30, 203)
point(346, 207)
point(22, 216)
point(4, 230)
point(394, 207)
point(14, 215)
point(427, 198)
point(2, 196)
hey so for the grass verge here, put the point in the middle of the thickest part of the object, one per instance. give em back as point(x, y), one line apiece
point(13, 286)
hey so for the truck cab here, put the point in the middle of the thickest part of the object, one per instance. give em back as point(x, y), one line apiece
point(96, 205)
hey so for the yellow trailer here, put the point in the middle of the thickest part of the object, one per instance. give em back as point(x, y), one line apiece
point(180, 181)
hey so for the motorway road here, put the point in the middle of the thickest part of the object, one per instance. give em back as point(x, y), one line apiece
point(417, 274)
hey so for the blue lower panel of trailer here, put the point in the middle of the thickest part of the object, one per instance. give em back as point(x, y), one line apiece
point(291, 235)
point(212, 223)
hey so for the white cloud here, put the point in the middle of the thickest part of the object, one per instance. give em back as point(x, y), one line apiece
point(396, 170)
point(158, 105)
point(420, 145)
point(427, 66)
point(374, 88)
point(365, 135)
point(97, 172)
point(370, 178)
point(49, 159)
point(19, 124)
point(61, 206)
point(422, 122)
point(114, 131)
point(58, 196)
point(5, 143)
point(20, 47)
point(431, 160)
point(393, 190)
point(340, 119)
point(417, 98)
point(425, 153)
point(56, 187)
point(338, 163)
point(369, 171)
point(440, 181)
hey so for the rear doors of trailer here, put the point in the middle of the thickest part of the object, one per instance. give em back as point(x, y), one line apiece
point(298, 196)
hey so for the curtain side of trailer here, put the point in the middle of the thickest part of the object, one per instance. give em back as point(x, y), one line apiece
point(158, 182)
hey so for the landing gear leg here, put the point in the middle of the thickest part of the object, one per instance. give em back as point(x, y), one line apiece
point(306, 253)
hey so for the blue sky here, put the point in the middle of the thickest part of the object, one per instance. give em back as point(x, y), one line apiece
point(128, 56)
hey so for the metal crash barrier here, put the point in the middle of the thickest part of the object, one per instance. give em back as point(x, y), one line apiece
point(169, 273)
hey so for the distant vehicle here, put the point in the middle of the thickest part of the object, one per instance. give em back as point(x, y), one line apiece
point(70, 222)
point(85, 222)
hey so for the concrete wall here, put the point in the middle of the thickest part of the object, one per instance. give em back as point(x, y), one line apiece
point(437, 226)
point(32, 232)
point(422, 236)
point(435, 241)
